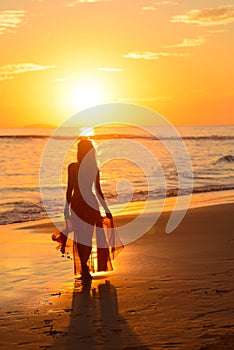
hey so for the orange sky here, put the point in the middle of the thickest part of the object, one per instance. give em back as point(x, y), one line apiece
point(61, 56)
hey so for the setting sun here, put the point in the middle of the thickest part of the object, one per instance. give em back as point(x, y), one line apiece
point(85, 94)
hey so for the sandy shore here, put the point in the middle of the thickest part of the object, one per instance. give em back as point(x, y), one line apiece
point(168, 291)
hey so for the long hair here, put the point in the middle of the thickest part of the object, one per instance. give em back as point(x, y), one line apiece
point(86, 151)
point(87, 169)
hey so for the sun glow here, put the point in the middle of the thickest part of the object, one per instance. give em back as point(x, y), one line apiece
point(85, 95)
point(87, 131)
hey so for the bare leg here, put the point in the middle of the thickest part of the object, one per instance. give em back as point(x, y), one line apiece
point(76, 257)
point(82, 246)
point(84, 254)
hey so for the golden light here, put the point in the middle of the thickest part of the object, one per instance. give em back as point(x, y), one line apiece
point(85, 95)
point(86, 131)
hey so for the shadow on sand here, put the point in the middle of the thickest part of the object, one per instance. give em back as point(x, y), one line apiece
point(95, 321)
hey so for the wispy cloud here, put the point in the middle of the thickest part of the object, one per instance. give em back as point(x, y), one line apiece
point(201, 40)
point(10, 20)
point(140, 99)
point(154, 5)
point(8, 71)
point(159, 3)
point(160, 99)
point(215, 31)
point(89, 0)
point(73, 3)
point(109, 69)
point(149, 55)
point(207, 16)
point(149, 8)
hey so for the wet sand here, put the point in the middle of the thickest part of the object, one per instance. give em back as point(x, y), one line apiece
point(167, 291)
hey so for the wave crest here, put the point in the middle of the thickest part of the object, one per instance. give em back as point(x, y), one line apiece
point(228, 158)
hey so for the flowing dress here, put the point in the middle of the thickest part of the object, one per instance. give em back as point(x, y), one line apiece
point(95, 238)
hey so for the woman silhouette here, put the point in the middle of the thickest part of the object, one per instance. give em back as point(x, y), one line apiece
point(85, 215)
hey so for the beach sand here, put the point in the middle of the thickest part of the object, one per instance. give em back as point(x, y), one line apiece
point(167, 291)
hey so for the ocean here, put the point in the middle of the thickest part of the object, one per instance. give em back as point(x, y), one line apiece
point(125, 156)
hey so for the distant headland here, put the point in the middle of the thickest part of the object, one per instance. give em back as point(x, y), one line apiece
point(40, 126)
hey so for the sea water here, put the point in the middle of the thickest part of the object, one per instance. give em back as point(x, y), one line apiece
point(210, 148)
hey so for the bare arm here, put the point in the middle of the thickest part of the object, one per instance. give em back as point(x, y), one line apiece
point(101, 196)
point(70, 187)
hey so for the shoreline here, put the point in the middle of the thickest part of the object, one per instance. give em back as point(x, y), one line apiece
point(198, 200)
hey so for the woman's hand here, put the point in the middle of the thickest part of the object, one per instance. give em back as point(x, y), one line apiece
point(109, 215)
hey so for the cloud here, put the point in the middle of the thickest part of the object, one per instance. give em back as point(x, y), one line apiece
point(109, 69)
point(215, 31)
point(149, 8)
point(159, 3)
point(76, 2)
point(189, 43)
point(149, 55)
point(207, 16)
point(10, 20)
point(140, 99)
point(160, 99)
point(8, 71)
point(154, 6)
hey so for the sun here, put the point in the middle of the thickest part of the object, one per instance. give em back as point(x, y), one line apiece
point(85, 94)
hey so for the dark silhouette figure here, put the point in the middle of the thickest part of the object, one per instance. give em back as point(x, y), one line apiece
point(82, 208)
